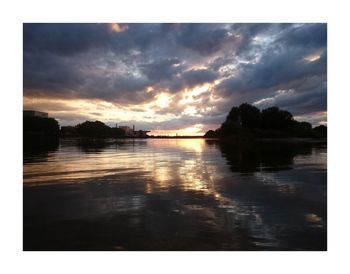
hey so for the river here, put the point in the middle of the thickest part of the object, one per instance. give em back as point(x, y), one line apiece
point(174, 194)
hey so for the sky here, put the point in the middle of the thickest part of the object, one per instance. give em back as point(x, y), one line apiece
point(173, 78)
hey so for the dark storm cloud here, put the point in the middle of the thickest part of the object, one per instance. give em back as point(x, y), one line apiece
point(245, 34)
point(306, 102)
point(306, 36)
point(161, 70)
point(116, 88)
point(204, 38)
point(68, 39)
point(77, 60)
point(273, 69)
point(253, 61)
point(50, 74)
point(199, 76)
point(64, 39)
point(284, 65)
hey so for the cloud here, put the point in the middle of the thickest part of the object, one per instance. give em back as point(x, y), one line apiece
point(282, 66)
point(164, 69)
point(304, 35)
point(64, 39)
point(189, 79)
point(131, 64)
point(272, 70)
point(203, 38)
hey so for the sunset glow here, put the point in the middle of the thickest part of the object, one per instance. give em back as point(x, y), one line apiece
point(118, 28)
point(169, 79)
point(173, 137)
point(312, 58)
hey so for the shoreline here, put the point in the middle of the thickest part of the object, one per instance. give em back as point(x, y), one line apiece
point(28, 137)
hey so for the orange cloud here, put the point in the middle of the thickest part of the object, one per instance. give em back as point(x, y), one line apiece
point(118, 27)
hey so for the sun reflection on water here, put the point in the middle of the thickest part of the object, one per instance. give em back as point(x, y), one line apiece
point(165, 163)
point(186, 145)
point(166, 178)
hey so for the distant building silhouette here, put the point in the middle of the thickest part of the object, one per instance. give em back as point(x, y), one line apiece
point(131, 132)
point(127, 130)
point(34, 113)
point(38, 123)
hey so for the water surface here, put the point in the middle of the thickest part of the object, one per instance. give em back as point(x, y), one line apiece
point(174, 194)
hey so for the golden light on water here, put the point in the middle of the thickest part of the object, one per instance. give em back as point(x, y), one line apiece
point(190, 145)
point(162, 175)
point(190, 174)
point(312, 218)
point(156, 167)
point(137, 192)
point(98, 165)
point(196, 145)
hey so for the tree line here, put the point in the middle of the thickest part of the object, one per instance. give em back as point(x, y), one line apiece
point(271, 122)
point(92, 129)
point(39, 126)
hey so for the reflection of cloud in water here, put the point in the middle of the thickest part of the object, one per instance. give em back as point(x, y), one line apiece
point(313, 218)
point(281, 184)
point(317, 159)
point(166, 184)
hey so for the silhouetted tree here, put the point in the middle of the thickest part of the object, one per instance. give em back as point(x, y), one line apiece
point(233, 115)
point(247, 121)
point(245, 116)
point(275, 119)
point(68, 131)
point(250, 116)
point(320, 131)
point(41, 126)
point(94, 129)
point(229, 127)
point(302, 129)
point(211, 134)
